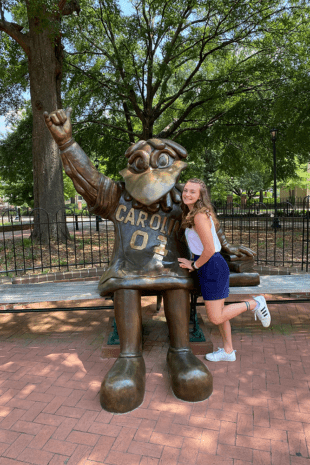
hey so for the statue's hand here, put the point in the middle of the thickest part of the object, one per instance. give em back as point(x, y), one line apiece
point(59, 125)
point(240, 251)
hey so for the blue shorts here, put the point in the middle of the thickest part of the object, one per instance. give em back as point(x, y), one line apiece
point(214, 278)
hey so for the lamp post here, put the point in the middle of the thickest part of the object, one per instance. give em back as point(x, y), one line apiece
point(275, 223)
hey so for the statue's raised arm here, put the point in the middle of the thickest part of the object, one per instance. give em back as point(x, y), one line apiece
point(86, 179)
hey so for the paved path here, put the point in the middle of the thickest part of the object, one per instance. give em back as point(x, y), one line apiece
point(79, 290)
point(50, 376)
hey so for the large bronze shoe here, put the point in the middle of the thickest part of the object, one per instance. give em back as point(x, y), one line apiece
point(190, 378)
point(122, 389)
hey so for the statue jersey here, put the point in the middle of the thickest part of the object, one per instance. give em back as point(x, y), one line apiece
point(147, 245)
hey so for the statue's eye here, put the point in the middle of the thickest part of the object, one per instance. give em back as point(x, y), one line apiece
point(164, 160)
point(139, 164)
point(139, 161)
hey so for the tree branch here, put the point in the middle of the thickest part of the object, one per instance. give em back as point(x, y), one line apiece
point(172, 44)
point(62, 4)
point(113, 126)
point(171, 128)
point(178, 121)
point(109, 30)
point(103, 84)
point(128, 122)
point(70, 7)
point(14, 31)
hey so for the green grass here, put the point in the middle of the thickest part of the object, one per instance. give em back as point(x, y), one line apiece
point(82, 243)
point(27, 242)
point(9, 255)
point(279, 243)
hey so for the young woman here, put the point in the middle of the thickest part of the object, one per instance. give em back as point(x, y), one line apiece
point(200, 222)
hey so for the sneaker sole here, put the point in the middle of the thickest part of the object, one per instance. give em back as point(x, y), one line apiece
point(225, 360)
point(263, 319)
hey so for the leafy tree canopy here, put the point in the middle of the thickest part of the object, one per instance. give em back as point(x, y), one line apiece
point(212, 75)
point(300, 177)
point(16, 176)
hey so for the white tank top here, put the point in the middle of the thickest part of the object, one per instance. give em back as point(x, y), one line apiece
point(195, 243)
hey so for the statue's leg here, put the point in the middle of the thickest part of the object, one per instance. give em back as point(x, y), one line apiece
point(122, 389)
point(190, 378)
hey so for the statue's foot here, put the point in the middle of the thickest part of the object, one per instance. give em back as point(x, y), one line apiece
point(190, 378)
point(122, 389)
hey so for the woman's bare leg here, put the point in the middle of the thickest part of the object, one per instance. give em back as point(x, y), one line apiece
point(218, 313)
point(225, 330)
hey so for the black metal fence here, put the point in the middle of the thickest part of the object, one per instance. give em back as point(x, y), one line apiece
point(297, 207)
point(252, 224)
point(89, 240)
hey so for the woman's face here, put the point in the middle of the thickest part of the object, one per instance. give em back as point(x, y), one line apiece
point(191, 193)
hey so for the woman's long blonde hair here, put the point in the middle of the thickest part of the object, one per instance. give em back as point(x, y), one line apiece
point(203, 205)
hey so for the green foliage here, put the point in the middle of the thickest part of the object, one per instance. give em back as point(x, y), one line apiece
point(16, 163)
point(69, 189)
point(212, 75)
point(13, 75)
point(299, 178)
point(215, 76)
point(249, 183)
point(27, 242)
point(16, 174)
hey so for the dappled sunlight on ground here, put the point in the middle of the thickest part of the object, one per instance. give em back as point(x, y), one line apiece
point(51, 371)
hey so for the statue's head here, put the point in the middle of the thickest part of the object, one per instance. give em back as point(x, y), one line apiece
point(154, 167)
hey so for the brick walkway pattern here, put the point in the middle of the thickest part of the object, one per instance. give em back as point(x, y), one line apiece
point(50, 376)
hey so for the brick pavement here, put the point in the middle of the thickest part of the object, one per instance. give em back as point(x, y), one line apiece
point(51, 371)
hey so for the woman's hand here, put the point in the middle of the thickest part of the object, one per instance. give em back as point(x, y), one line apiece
point(184, 263)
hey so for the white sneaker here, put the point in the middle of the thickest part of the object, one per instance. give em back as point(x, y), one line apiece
point(261, 311)
point(221, 356)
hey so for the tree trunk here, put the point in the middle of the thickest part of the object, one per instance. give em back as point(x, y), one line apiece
point(45, 74)
point(147, 132)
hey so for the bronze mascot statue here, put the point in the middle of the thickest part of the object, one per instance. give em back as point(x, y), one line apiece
point(146, 212)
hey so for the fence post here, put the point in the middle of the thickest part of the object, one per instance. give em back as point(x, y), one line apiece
point(243, 201)
point(98, 220)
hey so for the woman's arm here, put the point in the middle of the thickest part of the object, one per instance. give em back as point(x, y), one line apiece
point(203, 229)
